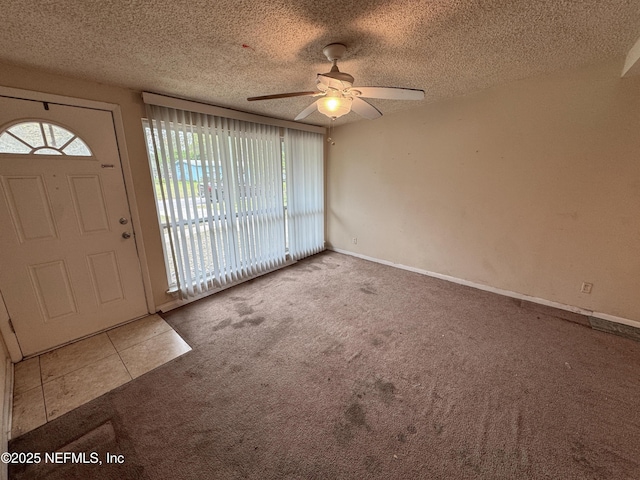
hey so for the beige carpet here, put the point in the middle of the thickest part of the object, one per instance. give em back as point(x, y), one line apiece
point(338, 368)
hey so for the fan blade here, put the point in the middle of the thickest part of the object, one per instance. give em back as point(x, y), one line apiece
point(390, 93)
point(307, 111)
point(281, 95)
point(364, 108)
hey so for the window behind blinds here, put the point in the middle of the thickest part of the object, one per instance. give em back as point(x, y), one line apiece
point(225, 190)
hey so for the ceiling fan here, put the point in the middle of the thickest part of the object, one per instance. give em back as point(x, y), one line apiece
point(338, 96)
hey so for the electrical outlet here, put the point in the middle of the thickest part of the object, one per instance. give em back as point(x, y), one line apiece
point(586, 287)
point(354, 240)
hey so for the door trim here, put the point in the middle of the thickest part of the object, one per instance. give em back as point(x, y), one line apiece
point(10, 338)
point(116, 114)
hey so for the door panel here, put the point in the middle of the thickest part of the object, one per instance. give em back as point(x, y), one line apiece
point(67, 271)
point(88, 200)
point(53, 289)
point(105, 274)
point(29, 207)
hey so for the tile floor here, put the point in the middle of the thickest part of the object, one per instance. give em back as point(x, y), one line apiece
point(56, 382)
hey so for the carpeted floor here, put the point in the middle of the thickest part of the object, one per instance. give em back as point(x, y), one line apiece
point(338, 368)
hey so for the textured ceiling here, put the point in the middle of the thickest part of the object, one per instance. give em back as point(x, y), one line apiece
point(223, 51)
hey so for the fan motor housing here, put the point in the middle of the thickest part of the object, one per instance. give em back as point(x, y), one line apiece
point(334, 51)
point(341, 76)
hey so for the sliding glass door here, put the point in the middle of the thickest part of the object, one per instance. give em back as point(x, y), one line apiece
point(220, 190)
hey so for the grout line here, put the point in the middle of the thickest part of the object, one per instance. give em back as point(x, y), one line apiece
point(149, 338)
point(178, 332)
point(121, 360)
point(164, 362)
point(27, 391)
point(44, 402)
point(143, 340)
point(40, 372)
point(46, 418)
point(79, 368)
point(157, 335)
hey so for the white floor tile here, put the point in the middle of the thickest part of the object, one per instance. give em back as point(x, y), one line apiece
point(56, 382)
point(83, 385)
point(28, 411)
point(74, 356)
point(137, 332)
point(26, 375)
point(154, 352)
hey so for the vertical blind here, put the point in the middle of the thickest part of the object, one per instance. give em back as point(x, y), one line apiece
point(305, 192)
point(221, 197)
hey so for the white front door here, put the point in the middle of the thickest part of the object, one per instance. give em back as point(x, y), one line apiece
point(68, 260)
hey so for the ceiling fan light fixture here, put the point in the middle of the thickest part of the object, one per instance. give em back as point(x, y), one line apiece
point(337, 95)
point(334, 106)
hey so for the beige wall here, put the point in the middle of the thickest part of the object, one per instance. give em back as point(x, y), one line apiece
point(532, 187)
point(132, 111)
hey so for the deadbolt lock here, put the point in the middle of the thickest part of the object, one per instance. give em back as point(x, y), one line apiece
point(123, 221)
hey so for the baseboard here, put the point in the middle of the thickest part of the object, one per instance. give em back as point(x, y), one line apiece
point(7, 407)
point(619, 329)
point(614, 319)
point(499, 291)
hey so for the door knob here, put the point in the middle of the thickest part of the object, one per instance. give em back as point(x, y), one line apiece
point(126, 235)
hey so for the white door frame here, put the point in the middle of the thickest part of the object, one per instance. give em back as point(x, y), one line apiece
point(5, 328)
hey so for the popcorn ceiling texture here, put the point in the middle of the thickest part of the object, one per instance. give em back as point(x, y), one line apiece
point(221, 52)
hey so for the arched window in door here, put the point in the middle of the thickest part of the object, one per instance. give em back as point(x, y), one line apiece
point(42, 138)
